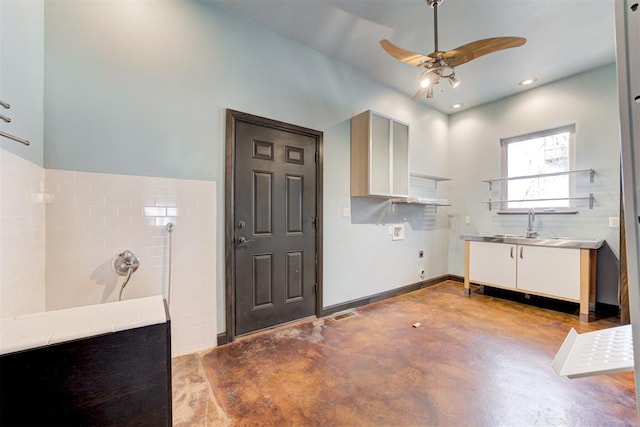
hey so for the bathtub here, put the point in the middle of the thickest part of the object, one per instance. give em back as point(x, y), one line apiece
point(105, 364)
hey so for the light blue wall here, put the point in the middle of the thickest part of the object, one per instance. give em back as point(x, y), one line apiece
point(21, 75)
point(590, 101)
point(141, 88)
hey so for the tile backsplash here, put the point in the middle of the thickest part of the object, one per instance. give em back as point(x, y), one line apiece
point(92, 217)
point(22, 234)
point(61, 230)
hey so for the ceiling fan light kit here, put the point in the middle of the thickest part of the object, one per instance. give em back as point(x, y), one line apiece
point(440, 65)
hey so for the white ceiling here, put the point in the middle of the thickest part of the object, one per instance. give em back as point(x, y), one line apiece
point(564, 37)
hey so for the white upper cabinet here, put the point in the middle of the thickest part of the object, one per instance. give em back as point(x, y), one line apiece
point(379, 156)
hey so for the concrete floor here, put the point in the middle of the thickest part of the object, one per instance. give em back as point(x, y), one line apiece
point(473, 361)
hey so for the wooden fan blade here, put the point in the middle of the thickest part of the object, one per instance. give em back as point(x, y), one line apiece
point(403, 55)
point(473, 50)
point(421, 93)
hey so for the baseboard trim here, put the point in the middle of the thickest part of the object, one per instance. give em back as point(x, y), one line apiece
point(222, 338)
point(326, 311)
point(456, 278)
point(607, 309)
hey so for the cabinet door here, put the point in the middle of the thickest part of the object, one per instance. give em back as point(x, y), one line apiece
point(549, 271)
point(400, 160)
point(379, 177)
point(379, 156)
point(492, 264)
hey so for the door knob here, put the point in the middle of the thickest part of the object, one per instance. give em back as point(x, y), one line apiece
point(242, 240)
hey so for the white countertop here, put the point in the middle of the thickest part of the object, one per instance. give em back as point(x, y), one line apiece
point(51, 327)
point(558, 242)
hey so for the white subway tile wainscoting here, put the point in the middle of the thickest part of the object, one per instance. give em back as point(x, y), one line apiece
point(92, 217)
point(22, 236)
point(61, 231)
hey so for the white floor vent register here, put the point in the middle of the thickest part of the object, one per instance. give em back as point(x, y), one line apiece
point(607, 351)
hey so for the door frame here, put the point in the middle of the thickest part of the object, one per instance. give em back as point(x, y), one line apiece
point(233, 117)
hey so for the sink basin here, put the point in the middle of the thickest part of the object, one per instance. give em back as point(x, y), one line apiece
point(521, 236)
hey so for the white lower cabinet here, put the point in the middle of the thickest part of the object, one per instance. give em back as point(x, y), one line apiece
point(541, 270)
point(493, 263)
point(549, 271)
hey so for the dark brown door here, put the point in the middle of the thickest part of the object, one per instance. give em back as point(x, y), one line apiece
point(274, 226)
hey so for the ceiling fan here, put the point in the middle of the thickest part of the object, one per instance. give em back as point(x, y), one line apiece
point(439, 64)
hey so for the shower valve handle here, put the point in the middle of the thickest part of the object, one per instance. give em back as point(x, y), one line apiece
point(125, 262)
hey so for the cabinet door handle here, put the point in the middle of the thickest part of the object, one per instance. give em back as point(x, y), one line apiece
point(521, 248)
point(511, 252)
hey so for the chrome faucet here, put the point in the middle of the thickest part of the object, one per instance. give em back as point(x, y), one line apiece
point(532, 219)
point(125, 264)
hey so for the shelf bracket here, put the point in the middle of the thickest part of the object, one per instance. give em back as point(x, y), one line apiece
point(592, 172)
point(590, 200)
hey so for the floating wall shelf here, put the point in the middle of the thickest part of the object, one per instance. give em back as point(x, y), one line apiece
point(420, 201)
point(541, 175)
point(590, 197)
point(435, 179)
point(416, 198)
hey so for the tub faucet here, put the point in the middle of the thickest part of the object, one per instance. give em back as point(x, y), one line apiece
point(532, 218)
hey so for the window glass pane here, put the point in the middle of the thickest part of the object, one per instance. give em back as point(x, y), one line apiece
point(535, 156)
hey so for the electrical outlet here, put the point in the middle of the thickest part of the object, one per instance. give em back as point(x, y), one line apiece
point(467, 220)
point(614, 221)
point(346, 212)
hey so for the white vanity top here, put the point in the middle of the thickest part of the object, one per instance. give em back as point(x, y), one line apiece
point(51, 327)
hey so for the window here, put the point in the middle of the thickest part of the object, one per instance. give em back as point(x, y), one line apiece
point(538, 153)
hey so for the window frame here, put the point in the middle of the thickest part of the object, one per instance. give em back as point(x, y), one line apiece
point(504, 142)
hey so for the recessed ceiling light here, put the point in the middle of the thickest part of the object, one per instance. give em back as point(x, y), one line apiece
point(456, 106)
point(527, 82)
